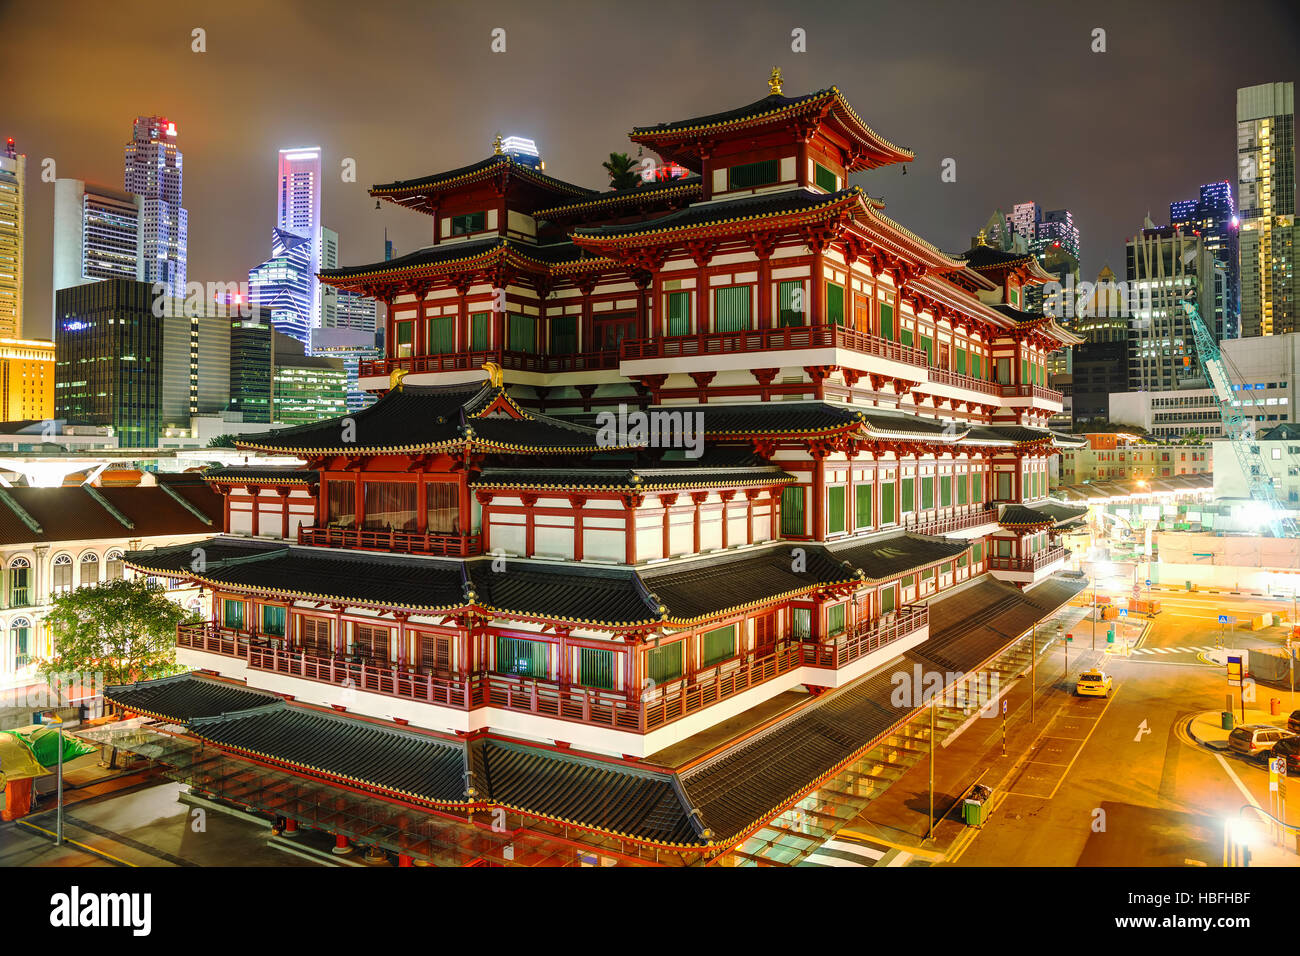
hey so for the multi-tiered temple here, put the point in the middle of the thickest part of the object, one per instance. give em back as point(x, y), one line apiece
point(657, 477)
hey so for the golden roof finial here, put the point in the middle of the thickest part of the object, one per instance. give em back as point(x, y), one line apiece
point(981, 239)
point(495, 374)
point(774, 82)
point(496, 145)
point(395, 379)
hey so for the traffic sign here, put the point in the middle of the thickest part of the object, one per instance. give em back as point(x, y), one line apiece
point(1123, 612)
point(1004, 705)
point(1234, 671)
point(1069, 638)
point(1227, 619)
point(1148, 582)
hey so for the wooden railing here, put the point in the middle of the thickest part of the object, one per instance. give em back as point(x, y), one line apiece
point(1032, 391)
point(619, 711)
point(772, 340)
point(923, 523)
point(515, 361)
point(1031, 562)
point(403, 542)
point(957, 380)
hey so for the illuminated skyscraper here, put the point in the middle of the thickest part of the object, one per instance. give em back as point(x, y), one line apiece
point(153, 172)
point(1213, 218)
point(282, 285)
point(298, 211)
point(13, 203)
point(1266, 206)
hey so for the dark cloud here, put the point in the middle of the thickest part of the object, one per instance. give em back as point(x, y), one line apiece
point(1011, 91)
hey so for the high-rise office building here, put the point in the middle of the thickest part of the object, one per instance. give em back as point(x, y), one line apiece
point(1056, 244)
point(356, 312)
point(282, 285)
point(119, 362)
point(351, 347)
point(97, 234)
point(1165, 266)
point(153, 172)
point(26, 380)
point(305, 388)
point(13, 205)
point(250, 367)
point(298, 211)
point(327, 241)
point(1024, 220)
point(1213, 217)
point(1269, 236)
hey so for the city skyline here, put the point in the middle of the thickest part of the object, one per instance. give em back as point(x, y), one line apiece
point(229, 197)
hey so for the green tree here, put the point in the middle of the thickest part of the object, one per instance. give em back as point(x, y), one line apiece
point(622, 171)
point(123, 629)
point(222, 441)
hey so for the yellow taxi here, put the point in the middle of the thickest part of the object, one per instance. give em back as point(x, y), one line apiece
point(1093, 683)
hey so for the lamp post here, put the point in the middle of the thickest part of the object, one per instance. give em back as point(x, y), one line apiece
point(58, 799)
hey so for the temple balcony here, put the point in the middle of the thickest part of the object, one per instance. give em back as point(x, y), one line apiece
point(610, 721)
point(1029, 569)
point(1036, 397)
point(397, 542)
point(964, 523)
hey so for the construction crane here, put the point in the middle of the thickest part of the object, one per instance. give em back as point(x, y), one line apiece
point(1239, 430)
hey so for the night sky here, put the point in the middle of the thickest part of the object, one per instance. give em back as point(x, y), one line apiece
point(1011, 91)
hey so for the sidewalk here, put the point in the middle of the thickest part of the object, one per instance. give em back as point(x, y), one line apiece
point(1207, 728)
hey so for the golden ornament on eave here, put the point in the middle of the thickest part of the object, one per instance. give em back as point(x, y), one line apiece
point(395, 379)
point(496, 376)
point(774, 82)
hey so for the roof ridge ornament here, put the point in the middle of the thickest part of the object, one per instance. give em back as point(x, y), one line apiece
point(395, 379)
point(496, 375)
point(774, 82)
point(496, 146)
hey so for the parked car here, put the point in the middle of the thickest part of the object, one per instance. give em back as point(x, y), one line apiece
point(1293, 722)
point(1289, 748)
point(1256, 740)
point(1093, 683)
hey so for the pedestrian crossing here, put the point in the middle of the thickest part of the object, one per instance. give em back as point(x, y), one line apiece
point(1190, 649)
point(852, 851)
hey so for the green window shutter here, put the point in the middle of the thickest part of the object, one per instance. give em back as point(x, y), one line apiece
point(888, 599)
point(751, 175)
point(835, 620)
point(564, 335)
point(834, 304)
point(442, 335)
point(962, 485)
point(862, 494)
point(959, 361)
point(596, 668)
point(470, 222)
point(907, 496)
point(523, 334)
point(679, 313)
point(789, 314)
point(977, 488)
point(792, 512)
point(522, 658)
point(273, 620)
point(1024, 371)
point(977, 552)
point(947, 568)
point(945, 490)
point(886, 321)
point(927, 575)
point(906, 337)
point(801, 623)
point(479, 325)
point(405, 337)
point(664, 663)
point(718, 645)
point(927, 346)
point(963, 561)
point(731, 308)
point(835, 508)
point(825, 178)
point(909, 581)
point(927, 494)
point(233, 614)
point(887, 502)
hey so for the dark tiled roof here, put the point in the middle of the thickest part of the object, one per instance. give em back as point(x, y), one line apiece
point(767, 104)
point(589, 793)
point(749, 782)
point(74, 513)
point(1060, 511)
point(186, 697)
point(426, 417)
point(365, 754)
point(776, 418)
point(570, 591)
point(787, 201)
point(491, 166)
point(986, 257)
point(888, 557)
point(309, 476)
point(1018, 315)
point(643, 192)
point(1283, 432)
point(449, 253)
point(1018, 516)
point(703, 588)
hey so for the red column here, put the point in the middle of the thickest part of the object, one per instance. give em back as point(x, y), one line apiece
point(341, 844)
point(257, 510)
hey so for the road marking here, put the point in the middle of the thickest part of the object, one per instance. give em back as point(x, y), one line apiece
point(854, 848)
point(1245, 792)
